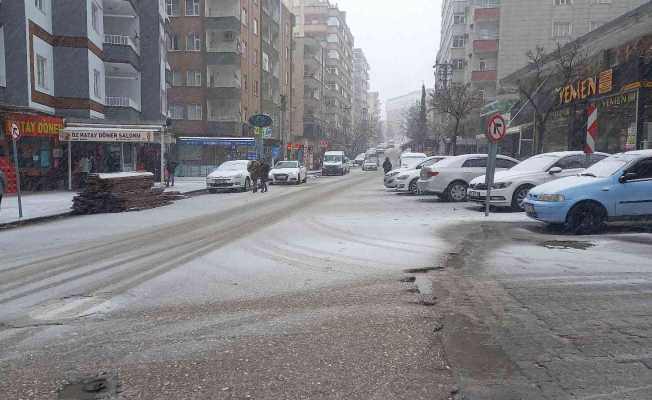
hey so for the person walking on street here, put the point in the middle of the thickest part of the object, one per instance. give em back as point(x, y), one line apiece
point(3, 186)
point(171, 167)
point(254, 172)
point(387, 165)
point(264, 172)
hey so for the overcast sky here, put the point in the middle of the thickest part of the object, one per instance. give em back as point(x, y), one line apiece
point(399, 38)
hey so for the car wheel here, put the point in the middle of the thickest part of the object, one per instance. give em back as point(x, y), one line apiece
point(519, 197)
point(247, 185)
point(586, 218)
point(456, 192)
point(413, 187)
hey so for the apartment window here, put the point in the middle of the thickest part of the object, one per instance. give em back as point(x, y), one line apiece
point(177, 78)
point(458, 41)
point(459, 19)
point(458, 63)
point(176, 111)
point(173, 42)
point(332, 38)
point(483, 66)
point(265, 62)
point(287, 53)
point(563, 2)
point(332, 70)
point(95, 17)
point(194, 112)
point(595, 25)
point(41, 72)
point(561, 29)
point(3, 64)
point(193, 78)
point(256, 88)
point(287, 77)
point(192, 8)
point(255, 58)
point(255, 27)
point(39, 4)
point(97, 84)
point(172, 7)
point(243, 16)
point(244, 81)
point(193, 42)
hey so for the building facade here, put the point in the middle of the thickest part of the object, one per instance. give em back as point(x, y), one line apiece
point(396, 108)
point(360, 109)
point(102, 67)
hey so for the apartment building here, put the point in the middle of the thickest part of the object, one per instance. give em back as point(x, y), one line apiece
point(101, 64)
point(326, 24)
point(483, 41)
point(396, 108)
point(360, 109)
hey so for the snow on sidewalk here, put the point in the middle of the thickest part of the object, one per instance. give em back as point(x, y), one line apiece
point(48, 204)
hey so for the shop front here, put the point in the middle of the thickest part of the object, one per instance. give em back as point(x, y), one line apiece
point(41, 156)
point(199, 156)
point(112, 148)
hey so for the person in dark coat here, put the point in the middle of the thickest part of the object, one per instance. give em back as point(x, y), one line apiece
point(264, 174)
point(170, 166)
point(3, 186)
point(387, 165)
point(254, 173)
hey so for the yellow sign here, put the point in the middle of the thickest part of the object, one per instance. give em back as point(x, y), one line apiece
point(586, 88)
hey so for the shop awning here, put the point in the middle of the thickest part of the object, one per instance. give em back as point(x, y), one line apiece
point(106, 133)
point(218, 141)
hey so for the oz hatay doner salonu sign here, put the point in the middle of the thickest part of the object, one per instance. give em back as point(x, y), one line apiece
point(102, 135)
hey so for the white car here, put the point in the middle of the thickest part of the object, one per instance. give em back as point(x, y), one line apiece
point(410, 160)
point(288, 172)
point(449, 179)
point(406, 180)
point(370, 164)
point(231, 175)
point(511, 187)
point(359, 159)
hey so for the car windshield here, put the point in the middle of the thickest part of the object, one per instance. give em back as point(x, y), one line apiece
point(429, 162)
point(287, 164)
point(536, 163)
point(371, 160)
point(333, 158)
point(232, 166)
point(609, 165)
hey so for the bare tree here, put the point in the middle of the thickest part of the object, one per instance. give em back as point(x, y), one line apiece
point(456, 101)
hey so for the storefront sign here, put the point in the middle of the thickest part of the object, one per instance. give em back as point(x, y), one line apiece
point(585, 88)
point(34, 125)
point(93, 135)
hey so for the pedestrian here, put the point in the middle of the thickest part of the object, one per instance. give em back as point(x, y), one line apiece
point(254, 173)
point(84, 170)
point(3, 185)
point(387, 165)
point(170, 166)
point(264, 174)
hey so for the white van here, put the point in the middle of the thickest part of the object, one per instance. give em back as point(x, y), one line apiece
point(334, 163)
point(409, 160)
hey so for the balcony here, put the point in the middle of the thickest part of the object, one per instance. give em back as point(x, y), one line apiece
point(485, 46)
point(222, 14)
point(486, 14)
point(484, 76)
point(122, 101)
point(121, 40)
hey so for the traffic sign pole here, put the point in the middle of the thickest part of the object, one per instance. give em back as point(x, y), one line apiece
point(489, 177)
point(20, 202)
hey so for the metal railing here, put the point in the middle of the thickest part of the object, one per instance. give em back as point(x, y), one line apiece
point(122, 101)
point(121, 40)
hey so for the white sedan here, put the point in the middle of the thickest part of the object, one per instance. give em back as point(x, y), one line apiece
point(511, 187)
point(407, 179)
point(231, 175)
point(449, 179)
point(288, 172)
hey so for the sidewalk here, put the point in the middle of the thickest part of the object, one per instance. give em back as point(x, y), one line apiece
point(51, 204)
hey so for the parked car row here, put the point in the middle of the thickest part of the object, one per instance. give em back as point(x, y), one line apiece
point(235, 175)
point(579, 192)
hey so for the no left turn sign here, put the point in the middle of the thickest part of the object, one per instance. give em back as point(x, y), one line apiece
point(15, 132)
point(496, 128)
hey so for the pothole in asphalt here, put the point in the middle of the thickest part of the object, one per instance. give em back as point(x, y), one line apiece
point(566, 245)
point(102, 386)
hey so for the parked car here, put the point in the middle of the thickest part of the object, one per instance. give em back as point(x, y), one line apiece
point(231, 175)
point(334, 163)
point(359, 159)
point(511, 187)
point(407, 179)
point(370, 163)
point(449, 179)
point(409, 160)
point(288, 172)
point(616, 188)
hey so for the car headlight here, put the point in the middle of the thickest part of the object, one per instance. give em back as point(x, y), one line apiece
point(501, 185)
point(403, 177)
point(555, 198)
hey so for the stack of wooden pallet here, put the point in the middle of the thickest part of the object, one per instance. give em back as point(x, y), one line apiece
point(118, 192)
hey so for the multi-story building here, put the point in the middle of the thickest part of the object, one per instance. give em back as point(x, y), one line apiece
point(396, 109)
point(360, 110)
point(230, 59)
point(102, 67)
point(483, 41)
point(326, 24)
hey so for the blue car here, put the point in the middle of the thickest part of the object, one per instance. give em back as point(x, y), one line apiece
point(616, 188)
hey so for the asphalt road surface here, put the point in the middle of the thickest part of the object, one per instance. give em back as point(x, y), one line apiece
point(335, 289)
